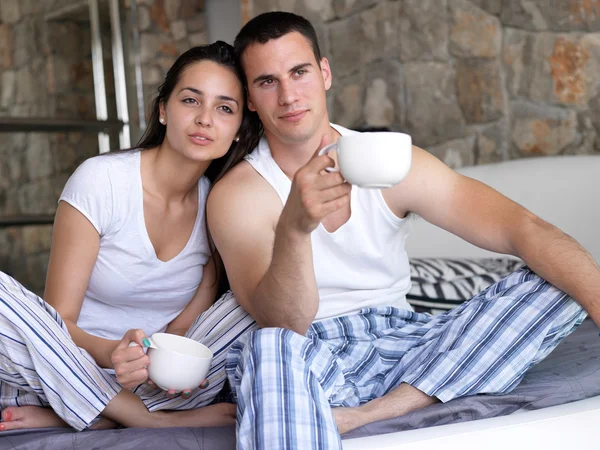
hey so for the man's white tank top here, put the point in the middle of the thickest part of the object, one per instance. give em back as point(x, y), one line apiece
point(363, 264)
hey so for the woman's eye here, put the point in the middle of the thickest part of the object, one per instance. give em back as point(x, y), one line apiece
point(189, 100)
point(227, 109)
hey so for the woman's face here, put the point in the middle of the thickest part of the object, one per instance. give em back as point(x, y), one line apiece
point(204, 112)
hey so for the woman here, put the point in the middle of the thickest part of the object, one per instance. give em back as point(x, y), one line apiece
point(130, 257)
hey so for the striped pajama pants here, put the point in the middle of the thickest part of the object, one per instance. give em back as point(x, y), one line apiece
point(286, 383)
point(41, 365)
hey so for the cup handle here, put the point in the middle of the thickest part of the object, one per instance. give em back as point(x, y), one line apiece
point(325, 150)
point(135, 344)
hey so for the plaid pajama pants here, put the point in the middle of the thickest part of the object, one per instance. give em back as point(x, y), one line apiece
point(41, 365)
point(286, 383)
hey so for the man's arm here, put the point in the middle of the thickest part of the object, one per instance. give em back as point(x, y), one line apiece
point(267, 251)
point(486, 218)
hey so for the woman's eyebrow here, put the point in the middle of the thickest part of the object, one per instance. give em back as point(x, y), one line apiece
point(200, 93)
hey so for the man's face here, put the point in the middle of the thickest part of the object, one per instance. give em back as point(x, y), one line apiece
point(286, 87)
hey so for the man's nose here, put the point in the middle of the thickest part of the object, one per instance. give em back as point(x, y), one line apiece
point(287, 93)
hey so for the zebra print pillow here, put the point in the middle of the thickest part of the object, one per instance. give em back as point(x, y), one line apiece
point(440, 284)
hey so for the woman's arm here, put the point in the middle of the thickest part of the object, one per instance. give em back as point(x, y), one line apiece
point(75, 246)
point(202, 299)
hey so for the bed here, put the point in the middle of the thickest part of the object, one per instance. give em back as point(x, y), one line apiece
point(557, 404)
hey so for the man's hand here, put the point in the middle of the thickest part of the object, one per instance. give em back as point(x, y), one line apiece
point(315, 193)
point(130, 362)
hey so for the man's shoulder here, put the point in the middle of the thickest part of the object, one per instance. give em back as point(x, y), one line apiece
point(240, 180)
point(241, 174)
point(242, 190)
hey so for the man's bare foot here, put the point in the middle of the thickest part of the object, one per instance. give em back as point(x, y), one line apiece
point(346, 419)
point(402, 400)
point(22, 417)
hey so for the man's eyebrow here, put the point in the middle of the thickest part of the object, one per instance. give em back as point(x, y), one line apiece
point(271, 76)
point(263, 78)
point(200, 93)
point(300, 66)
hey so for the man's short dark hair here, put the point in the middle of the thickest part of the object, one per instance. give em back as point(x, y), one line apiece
point(273, 25)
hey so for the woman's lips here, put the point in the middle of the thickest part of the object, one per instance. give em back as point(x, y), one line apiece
point(199, 139)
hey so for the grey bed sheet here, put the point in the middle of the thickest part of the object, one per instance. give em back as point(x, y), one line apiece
point(570, 373)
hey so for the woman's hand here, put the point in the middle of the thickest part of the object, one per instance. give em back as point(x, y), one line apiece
point(186, 393)
point(130, 363)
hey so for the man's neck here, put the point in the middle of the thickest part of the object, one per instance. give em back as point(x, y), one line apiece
point(292, 156)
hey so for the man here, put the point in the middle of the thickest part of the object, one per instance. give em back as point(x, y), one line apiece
point(321, 267)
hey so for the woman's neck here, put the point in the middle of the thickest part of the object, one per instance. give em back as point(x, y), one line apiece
point(169, 175)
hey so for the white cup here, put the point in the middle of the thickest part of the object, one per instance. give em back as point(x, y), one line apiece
point(373, 160)
point(178, 362)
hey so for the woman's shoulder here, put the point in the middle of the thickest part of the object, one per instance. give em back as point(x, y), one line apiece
point(119, 160)
point(99, 176)
point(98, 185)
point(117, 168)
point(204, 187)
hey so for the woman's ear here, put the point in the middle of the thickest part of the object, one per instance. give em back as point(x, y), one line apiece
point(162, 114)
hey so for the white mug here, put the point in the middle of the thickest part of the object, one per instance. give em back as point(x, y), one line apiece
point(373, 160)
point(178, 362)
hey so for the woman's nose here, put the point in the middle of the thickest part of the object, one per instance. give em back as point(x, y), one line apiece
point(204, 118)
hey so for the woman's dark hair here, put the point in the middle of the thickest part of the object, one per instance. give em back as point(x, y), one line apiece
point(250, 130)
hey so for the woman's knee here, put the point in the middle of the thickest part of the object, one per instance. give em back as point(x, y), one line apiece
point(226, 319)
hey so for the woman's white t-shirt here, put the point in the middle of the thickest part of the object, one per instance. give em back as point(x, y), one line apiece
point(129, 286)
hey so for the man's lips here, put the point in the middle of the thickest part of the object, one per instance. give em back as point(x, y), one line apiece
point(294, 116)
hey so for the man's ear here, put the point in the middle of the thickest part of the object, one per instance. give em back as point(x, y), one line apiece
point(326, 73)
point(250, 104)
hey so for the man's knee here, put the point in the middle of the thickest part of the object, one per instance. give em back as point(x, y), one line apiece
point(263, 342)
point(270, 338)
point(253, 348)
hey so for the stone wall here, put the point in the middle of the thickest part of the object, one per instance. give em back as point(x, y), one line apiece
point(473, 81)
point(46, 71)
point(43, 73)
point(167, 29)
